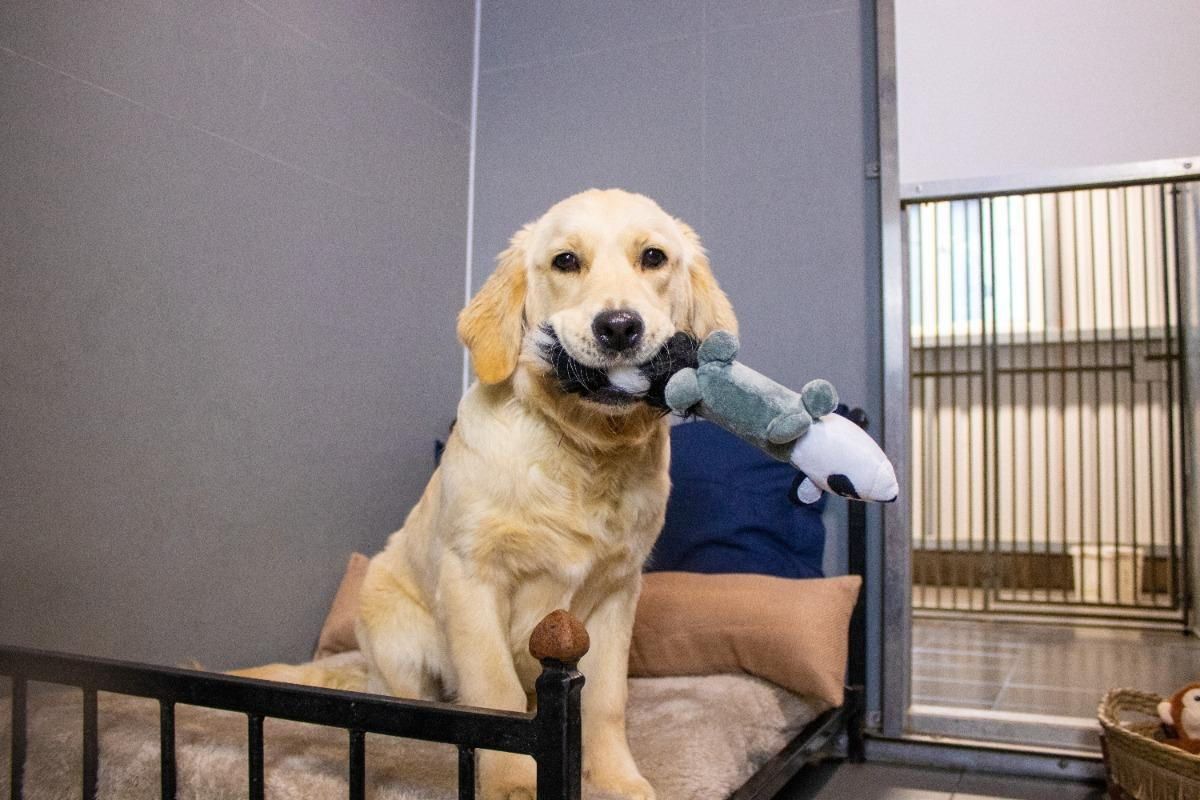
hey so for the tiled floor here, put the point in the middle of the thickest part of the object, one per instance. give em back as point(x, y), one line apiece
point(1044, 669)
point(844, 781)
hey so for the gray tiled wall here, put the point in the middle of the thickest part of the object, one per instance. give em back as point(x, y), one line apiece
point(753, 121)
point(232, 243)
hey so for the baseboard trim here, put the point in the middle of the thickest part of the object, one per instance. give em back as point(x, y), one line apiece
point(946, 753)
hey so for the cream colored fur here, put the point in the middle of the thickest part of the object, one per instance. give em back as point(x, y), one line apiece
point(543, 500)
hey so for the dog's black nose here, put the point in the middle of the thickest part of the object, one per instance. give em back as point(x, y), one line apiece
point(618, 330)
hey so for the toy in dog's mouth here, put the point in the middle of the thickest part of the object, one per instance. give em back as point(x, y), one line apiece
point(623, 385)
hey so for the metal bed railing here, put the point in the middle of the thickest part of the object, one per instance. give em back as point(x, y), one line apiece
point(551, 735)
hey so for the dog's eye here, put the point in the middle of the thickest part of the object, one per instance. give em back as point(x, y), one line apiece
point(653, 258)
point(566, 262)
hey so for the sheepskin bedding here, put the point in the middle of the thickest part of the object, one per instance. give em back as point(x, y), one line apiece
point(694, 737)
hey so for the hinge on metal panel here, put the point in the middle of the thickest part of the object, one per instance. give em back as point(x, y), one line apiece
point(872, 169)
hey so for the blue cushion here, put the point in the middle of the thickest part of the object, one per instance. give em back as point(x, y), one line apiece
point(730, 511)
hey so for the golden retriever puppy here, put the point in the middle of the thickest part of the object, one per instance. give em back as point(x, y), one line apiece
point(544, 499)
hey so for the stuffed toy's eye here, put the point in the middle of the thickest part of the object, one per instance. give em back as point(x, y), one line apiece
point(566, 262)
point(653, 258)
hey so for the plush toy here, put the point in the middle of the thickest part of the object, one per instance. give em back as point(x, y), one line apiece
point(1181, 713)
point(832, 452)
point(685, 376)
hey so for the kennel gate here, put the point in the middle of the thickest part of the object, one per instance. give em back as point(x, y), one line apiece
point(1047, 403)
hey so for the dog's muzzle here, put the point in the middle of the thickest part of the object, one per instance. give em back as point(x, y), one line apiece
point(621, 385)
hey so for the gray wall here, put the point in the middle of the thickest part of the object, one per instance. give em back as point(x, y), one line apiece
point(752, 121)
point(232, 248)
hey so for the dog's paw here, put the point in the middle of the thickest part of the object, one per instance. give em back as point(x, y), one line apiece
point(508, 793)
point(632, 787)
point(506, 776)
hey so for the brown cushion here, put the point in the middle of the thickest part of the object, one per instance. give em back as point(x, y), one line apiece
point(337, 634)
point(790, 632)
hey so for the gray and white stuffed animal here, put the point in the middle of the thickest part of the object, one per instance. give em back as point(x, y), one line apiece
point(833, 453)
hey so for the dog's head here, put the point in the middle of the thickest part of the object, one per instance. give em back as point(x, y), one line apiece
point(606, 277)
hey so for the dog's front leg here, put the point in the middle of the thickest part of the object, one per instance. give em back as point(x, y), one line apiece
point(607, 762)
point(474, 616)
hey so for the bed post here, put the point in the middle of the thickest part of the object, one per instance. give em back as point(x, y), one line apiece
point(856, 662)
point(558, 642)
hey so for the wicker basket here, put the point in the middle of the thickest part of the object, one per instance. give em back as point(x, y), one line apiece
point(1140, 766)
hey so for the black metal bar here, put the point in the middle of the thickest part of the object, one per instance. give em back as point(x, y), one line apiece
point(1080, 489)
point(166, 748)
point(1047, 526)
point(1029, 379)
point(1062, 380)
point(855, 704)
point(1085, 368)
point(856, 657)
point(254, 752)
point(19, 741)
point(466, 773)
point(412, 719)
point(1183, 591)
point(559, 741)
point(1131, 422)
point(1098, 503)
point(1116, 395)
point(953, 420)
point(765, 783)
point(971, 450)
point(985, 384)
point(991, 537)
point(1152, 459)
point(935, 496)
point(91, 744)
point(1014, 507)
point(356, 767)
point(1168, 335)
point(925, 449)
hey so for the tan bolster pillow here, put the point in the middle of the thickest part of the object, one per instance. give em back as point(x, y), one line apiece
point(790, 632)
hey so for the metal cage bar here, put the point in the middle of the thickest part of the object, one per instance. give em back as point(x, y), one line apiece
point(17, 765)
point(166, 748)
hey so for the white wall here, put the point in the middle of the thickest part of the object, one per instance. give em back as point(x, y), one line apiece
point(1003, 87)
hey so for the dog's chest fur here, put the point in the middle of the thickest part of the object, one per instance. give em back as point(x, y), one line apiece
point(559, 509)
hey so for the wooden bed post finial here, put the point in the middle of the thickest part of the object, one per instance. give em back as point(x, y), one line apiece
point(559, 637)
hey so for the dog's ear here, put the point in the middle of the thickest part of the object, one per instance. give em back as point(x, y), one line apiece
point(492, 325)
point(708, 307)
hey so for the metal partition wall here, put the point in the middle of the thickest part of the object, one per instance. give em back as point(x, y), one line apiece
point(1046, 396)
